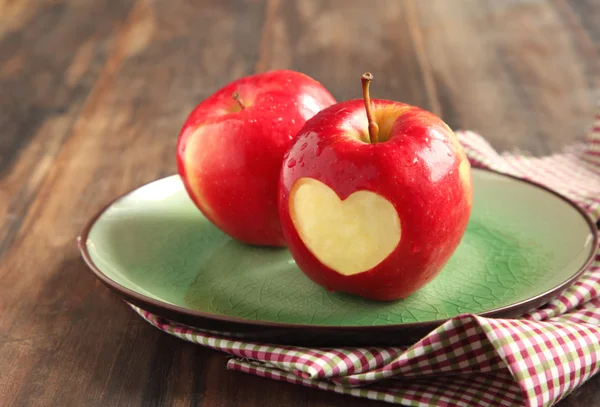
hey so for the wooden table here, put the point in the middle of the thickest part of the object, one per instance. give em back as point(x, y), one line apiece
point(93, 94)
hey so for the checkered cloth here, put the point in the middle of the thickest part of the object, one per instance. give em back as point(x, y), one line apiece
point(535, 360)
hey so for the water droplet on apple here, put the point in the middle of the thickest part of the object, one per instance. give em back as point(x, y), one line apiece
point(291, 163)
point(293, 121)
point(279, 119)
point(301, 164)
point(416, 249)
point(318, 150)
point(303, 146)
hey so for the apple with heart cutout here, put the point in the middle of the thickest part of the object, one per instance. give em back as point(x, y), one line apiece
point(374, 197)
point(231, 147)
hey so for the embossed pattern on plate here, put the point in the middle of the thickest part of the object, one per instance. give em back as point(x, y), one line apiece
point(154, 242)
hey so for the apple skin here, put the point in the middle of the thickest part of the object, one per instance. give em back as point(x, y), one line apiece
point(421, 169)
point(229, 158)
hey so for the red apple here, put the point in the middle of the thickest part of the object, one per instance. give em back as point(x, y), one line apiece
point(231, 147)
point(374, 197)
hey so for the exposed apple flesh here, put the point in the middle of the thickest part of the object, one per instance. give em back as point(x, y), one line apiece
point(374, 204)
point(348, 236)
point(231, 148)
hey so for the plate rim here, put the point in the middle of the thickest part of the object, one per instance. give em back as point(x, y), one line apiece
point(174, 311)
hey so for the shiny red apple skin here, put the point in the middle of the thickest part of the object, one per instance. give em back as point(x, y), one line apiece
point(417, 170)
point(230, 158)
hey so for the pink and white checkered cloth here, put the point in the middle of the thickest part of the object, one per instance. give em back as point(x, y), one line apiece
point(535, 360)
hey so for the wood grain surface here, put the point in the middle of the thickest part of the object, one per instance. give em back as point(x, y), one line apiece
point(93, 94)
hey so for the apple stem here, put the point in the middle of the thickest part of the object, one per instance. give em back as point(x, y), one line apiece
point(236, 97)
point(366, 79)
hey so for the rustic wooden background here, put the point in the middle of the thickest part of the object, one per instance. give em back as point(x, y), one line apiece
point(92, 96)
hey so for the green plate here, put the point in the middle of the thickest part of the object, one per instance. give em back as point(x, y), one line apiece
point(523, 244)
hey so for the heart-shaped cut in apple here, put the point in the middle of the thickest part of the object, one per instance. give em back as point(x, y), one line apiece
point(349, 236)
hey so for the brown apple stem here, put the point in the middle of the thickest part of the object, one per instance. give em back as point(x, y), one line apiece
point(236, 97)
point(373, 127)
